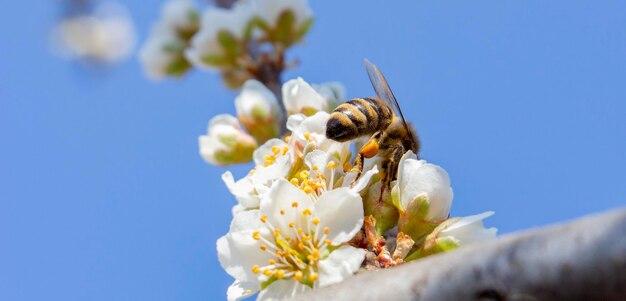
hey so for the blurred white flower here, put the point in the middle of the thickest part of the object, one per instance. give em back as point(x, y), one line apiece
point(181, 15)
point(258, 111)
point(162, 54)
point(459, 231)
point(293, 243)
point(217, 42)
point(226, 143)
point(300, 97)
point(271, 10)
point(107, 35)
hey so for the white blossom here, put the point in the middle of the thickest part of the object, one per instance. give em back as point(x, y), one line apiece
point(270, 10)
point(107, 35)
point(258, 110)
point(419, 181)
point(205, 45)
point(181, 15)
point(226, 143)
point(300, 97)
point(293, 243)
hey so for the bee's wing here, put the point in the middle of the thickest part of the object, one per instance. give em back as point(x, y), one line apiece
point(383, 90)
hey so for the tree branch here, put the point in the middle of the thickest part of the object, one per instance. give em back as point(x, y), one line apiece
point(581, 260)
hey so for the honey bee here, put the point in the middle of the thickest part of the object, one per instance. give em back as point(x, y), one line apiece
point(381, 119)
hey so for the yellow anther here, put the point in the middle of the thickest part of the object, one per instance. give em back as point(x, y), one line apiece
point(256, 235)
point(272, 261)
point(282, 212)
point(275, 150)
point(293, 252)
point(298, 276)
point(276, 232)
point(304, 175)
point(294, 204)
point(307, 136)
point(326, 230)
point(315, 167)
point(308, 189)
point(306, 211)
point(347, 166)
point(263, 218)
point(251, 171)
point(327, 241)
point(354, 170)
point(298, 260)
point(268, 157)
point(285, 150)
point(280, 253)
point(248, 292)
point(309, 258)
point(316, 253)
point(295, 181)
point(316, 221)
point(331, 165)
point(279, 274)
point(263, 247)
point(306, 237)
point(287, 138)
point(255, 269)
point(313, 276)
point(270, 272)
point(300, 246)
point(291, 225)
point(300, 231)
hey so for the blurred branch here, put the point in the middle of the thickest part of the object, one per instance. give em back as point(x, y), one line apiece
point(581, 260)
point(223, 3)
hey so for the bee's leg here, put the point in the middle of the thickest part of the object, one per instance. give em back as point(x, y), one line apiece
point(391, 168)
point(369, 150)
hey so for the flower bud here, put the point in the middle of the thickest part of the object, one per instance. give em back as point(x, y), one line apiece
point(422, 195)
point(162, 54)
point(226, 143)
point(286, 21)
point(258, 111)
point(217, 44)
point(300, 97)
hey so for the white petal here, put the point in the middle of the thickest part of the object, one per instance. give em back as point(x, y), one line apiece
point(238, 252)
point(239, 290)
point(242, 190)
point(469, 229)
point(255, 96)
point(362, 182)
point(246, 220)
point(298, 94)
point(340, 264)
point(281, 197)
point(294, 121)
point(282, 289)
point(341, 210)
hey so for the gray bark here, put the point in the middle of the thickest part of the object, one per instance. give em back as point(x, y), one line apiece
point(580, 260)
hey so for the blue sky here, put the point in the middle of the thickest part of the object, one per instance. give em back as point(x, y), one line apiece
point(104, 197)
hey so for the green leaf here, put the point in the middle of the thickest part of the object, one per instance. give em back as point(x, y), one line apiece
point(284, 28)
point(228, 42)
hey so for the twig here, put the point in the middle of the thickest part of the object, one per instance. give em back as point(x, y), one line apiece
point(581, 260)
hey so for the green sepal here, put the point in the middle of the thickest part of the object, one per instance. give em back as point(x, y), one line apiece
point(178, 68)
point(447, 243)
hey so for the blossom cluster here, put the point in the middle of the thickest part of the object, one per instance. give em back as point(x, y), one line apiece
point(304, 217)
point(232, 41)
point(232, 140)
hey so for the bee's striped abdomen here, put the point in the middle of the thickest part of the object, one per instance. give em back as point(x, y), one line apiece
point(357, 117)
